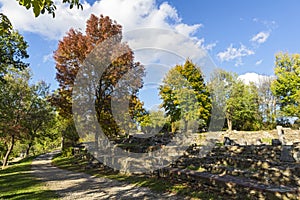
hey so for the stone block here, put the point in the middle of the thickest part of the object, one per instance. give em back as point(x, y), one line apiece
point(276, 142)
point(286, 154)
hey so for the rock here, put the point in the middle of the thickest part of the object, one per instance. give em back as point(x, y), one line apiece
point(228, 141)
point(280, 133)
point(276, 142)
point(296, 156)
point(296, 152)
point(286, 154)
point(259, 142)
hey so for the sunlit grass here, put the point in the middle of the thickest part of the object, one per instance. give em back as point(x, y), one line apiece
point(17, 182)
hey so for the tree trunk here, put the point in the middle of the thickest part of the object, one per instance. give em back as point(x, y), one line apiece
point(28, 149)
point(9, 150)
point(62, 143)
point(96, 140)
point(185, 129)
point(229, 123)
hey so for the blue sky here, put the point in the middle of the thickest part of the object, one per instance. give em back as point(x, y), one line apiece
point(239, 36)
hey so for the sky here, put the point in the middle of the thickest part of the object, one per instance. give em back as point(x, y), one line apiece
point(238, 36)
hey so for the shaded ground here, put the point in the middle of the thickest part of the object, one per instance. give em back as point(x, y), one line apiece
point(72, 185)
point(17, 183)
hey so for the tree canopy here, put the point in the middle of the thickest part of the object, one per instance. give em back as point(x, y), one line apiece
point(185, 94)
point(286, 86)
point(41, 6)
point(25, 112)
point(239, 101)
point(72, 51)
point(13, 49)
point(5, 24)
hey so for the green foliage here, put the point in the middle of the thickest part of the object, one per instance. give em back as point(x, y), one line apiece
point(154, 119)
point(13, 49)
point(185, 95)
point(243, 107)
point(220, 86)
point(240, 102)
point(5, 25)
point(286, 87)
point(267, 103)
point(25, 114)
point(267, 140)
point(40, 116)
point(41, 6)
point(14, 103)
point(67, 152)
point(67, 130)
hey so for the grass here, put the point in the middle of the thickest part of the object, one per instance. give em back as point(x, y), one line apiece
point(17, 182)
point(267, 140)
point(156, 184)
point(196, 168)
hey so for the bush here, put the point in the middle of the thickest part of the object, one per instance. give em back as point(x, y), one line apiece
point(68, 152)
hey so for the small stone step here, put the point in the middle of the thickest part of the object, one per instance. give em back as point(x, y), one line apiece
point(234, 185)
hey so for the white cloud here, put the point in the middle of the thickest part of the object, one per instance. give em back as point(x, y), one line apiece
point(270, 25)
point(187, 30)
point(252, 77)
point(145, 24)
point(260, 37)
point(48, 57)
point(208, 47)
point(258, 62)
point(130, 14)
point(235, 54)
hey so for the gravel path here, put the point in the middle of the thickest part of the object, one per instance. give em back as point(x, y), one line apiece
point(72, 185)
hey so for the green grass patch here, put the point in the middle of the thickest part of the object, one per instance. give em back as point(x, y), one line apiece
point(196, 168)
point(267, 140)
point(17, 182)
point(219, 144)
point(78, 164)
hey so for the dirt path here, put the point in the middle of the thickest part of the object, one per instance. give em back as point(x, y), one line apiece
point(72, 185)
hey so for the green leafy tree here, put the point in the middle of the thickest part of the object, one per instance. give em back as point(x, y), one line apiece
point(220, 86)
point(243, 107)
point(5, 24)
point(267, 102)
point(38, 7)
point(14, 102)
point(185, 95)
point(239, 102)
point(153, 120)
point(286, 86)
point(25, 113)
point(13, 48)
point(39, 117)
point(41, 6)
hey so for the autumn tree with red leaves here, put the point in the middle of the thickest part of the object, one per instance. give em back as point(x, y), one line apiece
point(72, 51)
